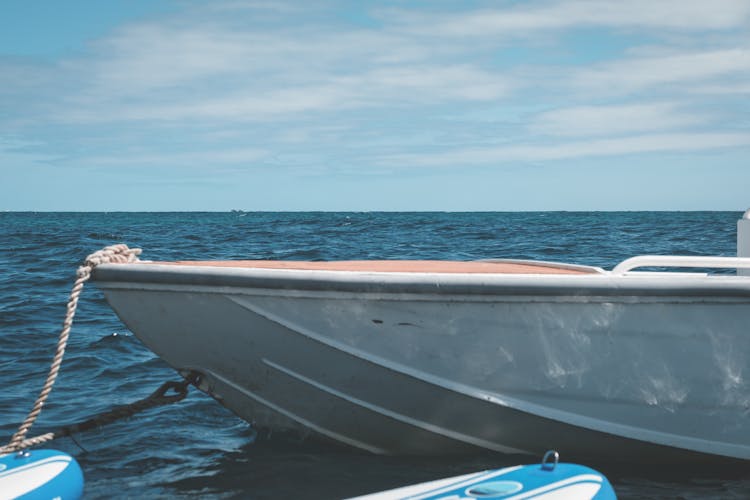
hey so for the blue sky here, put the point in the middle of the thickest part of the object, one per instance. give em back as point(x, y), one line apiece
point(340, 105)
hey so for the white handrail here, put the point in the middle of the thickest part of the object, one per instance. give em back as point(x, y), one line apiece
point(680, 261)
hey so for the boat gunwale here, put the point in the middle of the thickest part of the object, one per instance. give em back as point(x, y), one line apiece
point(580, 286)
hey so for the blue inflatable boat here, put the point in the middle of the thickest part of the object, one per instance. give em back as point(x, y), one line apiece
point(40, 474)
point(548, 480)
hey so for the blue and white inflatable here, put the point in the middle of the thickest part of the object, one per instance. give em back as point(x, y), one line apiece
point(550, 480)
point(40, 474)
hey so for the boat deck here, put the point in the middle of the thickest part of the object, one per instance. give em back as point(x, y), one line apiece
point(399, 266)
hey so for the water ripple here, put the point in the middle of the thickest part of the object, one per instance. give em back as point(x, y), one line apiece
point(198, 448)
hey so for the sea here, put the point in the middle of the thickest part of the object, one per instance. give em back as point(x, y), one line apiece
point(196, 448)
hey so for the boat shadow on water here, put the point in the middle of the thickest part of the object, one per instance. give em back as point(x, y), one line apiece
point(288, 465)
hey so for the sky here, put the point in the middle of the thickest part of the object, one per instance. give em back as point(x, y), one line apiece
point(337, 105)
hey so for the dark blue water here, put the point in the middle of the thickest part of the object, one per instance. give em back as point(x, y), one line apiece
point(196, 448)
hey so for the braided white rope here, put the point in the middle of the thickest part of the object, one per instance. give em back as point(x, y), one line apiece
point(119, 254)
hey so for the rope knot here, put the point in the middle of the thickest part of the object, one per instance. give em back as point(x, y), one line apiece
point(117, 254)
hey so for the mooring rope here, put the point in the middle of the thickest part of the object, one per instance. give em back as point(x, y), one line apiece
point(158, 398)
point(120, 254)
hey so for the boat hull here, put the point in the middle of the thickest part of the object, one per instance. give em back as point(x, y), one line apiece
point(606, 367)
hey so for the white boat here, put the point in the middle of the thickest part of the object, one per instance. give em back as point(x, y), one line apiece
point(432, 357)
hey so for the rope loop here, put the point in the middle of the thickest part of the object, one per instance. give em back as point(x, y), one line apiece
point(119, 254)
point(160, 394)
point(113, 254)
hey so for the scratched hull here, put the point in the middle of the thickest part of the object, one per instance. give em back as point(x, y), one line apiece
point(598, 366)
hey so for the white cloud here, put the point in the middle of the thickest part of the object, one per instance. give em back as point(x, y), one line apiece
point(654, 143)
point(199, 158)
point(437, 82)
point(214, 69)
point(257, 81)
point(142, 57)
point(723, 88)
point(535, 16)
point(202, 64)
point(614, 119)
point(275, 6)
point(255, 100)
point(683, 69)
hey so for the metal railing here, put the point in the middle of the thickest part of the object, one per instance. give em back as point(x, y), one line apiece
point(681, 261)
